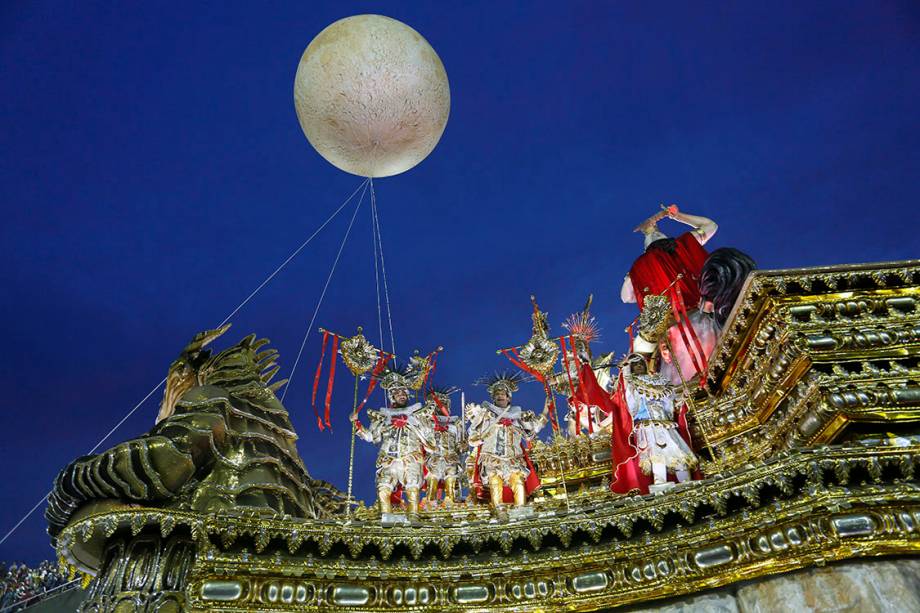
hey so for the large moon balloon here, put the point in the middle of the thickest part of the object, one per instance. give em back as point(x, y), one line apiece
point(371, 95)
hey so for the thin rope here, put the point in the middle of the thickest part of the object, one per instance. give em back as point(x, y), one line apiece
point(25, 517)
point(125, 418)
point(383, 268)
point(91, 451)
point(376, 271)
point(226, 319)
point(294, 254)
point(321, 296)
point(62, 588)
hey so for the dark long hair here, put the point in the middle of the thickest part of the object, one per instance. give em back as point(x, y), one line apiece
point(668, 245)
point(723, 275)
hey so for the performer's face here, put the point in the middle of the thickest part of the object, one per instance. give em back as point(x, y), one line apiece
point(400, 398)
point(501, 399)
point(638, 367)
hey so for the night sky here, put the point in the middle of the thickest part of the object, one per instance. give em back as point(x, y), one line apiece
point(153, 173)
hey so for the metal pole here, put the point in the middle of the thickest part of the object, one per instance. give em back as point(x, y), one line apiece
point(565, 487)
point(687, 395)
point(351, 453)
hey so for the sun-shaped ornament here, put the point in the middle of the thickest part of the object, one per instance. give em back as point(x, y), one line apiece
point(358, 354)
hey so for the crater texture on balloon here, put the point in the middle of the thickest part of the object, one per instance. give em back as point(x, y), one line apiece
point(371, 95)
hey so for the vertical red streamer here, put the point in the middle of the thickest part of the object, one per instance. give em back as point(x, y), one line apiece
point(433, 361)
point(568, 375)
point(440, 405)
point(319, 370)
point(375, 374)
point(335, 352)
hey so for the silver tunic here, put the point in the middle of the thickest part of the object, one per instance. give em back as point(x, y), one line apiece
point(500, 443)
point(400, 458)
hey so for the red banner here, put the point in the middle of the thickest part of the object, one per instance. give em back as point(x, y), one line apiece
point(329, 384)
point(375, 375)
point(319, 370)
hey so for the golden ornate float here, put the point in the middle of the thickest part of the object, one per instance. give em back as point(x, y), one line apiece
point(811, 429)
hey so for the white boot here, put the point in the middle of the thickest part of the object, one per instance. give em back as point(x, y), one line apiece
point(660, 476)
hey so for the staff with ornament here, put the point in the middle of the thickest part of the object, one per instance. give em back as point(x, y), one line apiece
point(360, 357)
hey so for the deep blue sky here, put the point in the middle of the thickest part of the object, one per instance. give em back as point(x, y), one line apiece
point(153, 173)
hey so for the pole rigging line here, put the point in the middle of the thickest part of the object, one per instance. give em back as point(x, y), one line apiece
point(322, 296)
point(252, 294)
point(383, 268)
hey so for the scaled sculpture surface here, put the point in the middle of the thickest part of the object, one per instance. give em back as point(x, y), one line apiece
point(223, 444)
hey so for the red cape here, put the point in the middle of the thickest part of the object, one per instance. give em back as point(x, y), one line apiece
point(656, 269)
point(531, 482)
point(624, 457)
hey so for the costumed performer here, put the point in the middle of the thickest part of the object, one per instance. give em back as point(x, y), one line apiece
point(404, 432)
point(501, 434)
point(445, 462)
point(651, 399)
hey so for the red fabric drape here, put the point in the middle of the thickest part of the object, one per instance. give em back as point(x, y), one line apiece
point(331, 381)
point(627, 476)
point(656, 269)
point(319, 370)
point(656, 272)
point(683, 428)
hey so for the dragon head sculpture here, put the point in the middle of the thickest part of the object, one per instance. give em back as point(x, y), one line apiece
point(188, 370)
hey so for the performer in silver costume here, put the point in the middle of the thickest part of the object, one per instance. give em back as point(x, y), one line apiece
point(445, 463)
point(501, 432)
point(404, 432)
point(651, 398)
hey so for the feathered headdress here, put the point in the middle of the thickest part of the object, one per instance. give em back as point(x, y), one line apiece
point(583, 325)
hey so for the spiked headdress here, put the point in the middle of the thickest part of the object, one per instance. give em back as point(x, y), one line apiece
point(395, 378)
point(442, 394)
point(583, 326)
point(504, 381)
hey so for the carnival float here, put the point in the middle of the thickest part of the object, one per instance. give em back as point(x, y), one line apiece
point(754, 422)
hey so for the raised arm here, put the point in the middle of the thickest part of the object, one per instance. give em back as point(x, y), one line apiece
point(703, 227)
